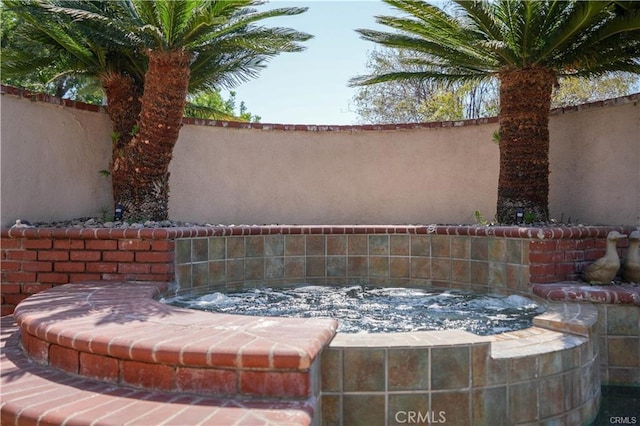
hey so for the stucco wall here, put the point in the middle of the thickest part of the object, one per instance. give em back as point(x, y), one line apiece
point(595, 165)
point(51, 161)
point(52, 155)
point(362, 177)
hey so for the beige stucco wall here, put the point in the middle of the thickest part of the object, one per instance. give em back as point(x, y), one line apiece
point(363, 177)
point(52, 155)
point(595, 165)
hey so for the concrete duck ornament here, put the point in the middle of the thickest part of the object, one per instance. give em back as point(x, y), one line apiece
point(631, 264)
point(604, 270)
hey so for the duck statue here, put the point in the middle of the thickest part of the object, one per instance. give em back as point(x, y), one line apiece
point(631, 264)
point(603, 270)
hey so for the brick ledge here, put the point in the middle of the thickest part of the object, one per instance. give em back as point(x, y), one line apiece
point(113, 331)
point(31, 393)
point(535, 233)
point(574, 291)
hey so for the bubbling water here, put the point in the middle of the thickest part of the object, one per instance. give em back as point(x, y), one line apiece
point(366, 309)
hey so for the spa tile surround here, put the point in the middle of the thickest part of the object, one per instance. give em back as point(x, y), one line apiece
point(111, 332)
point(554, 363)
point(541, 374)
point(478, 257)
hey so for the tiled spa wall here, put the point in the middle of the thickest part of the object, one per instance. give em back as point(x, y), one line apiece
point(451, 261)
point(455, 379)
point(379, 384)
point(619, 330)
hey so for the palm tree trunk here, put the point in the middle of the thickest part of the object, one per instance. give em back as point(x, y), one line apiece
point(123, 105)
point(523, 184)
point(142, 183)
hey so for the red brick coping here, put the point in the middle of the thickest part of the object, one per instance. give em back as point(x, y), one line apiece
point(117, 333)
point(40, 97)
point(572, 291)
point(536, 233)
point(33, 393)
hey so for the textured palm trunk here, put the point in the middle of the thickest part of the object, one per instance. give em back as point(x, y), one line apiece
point(141, 175)
point(123, 105)
point(123, 96)
point(523, 185)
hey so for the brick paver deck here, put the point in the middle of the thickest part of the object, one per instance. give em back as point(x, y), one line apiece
point(109, 354)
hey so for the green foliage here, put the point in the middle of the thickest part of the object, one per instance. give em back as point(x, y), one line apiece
point(105, 213)
point(412, 100)
point(477, 40)
point(529, 217)
point(211, 105)
point(45, 42)
point(419, 100)
point(480, 220)
point(441, 64)
point(496, 137)
point(576, 91)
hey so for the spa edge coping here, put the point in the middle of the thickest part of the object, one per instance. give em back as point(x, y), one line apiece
point(536, 233)
point(122, 325)
point(124, 320)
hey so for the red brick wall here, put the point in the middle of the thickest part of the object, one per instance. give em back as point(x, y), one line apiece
point(39, 258)
point(564, 259)
point(31, 265)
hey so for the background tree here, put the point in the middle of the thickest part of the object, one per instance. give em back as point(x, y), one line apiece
point(527, 46)
point(211, 105)
point(416, 101)
point(180, 46)
point(576, 91)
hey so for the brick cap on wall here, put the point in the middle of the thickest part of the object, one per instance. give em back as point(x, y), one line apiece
point(534, 233)
point(39, 97)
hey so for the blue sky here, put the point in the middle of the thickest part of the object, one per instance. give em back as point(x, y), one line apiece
point(311, 87)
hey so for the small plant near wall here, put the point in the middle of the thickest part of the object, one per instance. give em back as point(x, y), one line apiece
point(495, 138)
point(529, 217)
point(105, 213)
point(480, 220)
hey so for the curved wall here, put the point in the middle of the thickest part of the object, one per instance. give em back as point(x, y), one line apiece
point(51, 161)
point(224, 172)
point(431, 175)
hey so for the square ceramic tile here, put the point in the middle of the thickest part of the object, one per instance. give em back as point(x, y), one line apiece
point(450, 367)
point(408, 369)
point(363, 370)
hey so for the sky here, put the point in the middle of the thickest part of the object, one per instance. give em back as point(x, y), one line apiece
point(311, 87)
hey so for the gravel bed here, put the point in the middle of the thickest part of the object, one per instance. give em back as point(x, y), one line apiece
point(94, 222)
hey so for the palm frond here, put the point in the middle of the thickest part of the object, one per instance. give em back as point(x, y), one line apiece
point(582, 16)
point(435, 76)
point(482, 36)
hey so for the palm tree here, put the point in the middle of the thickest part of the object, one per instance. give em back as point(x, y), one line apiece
point(527, 46)
point(49, 45)
point(184, 46)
